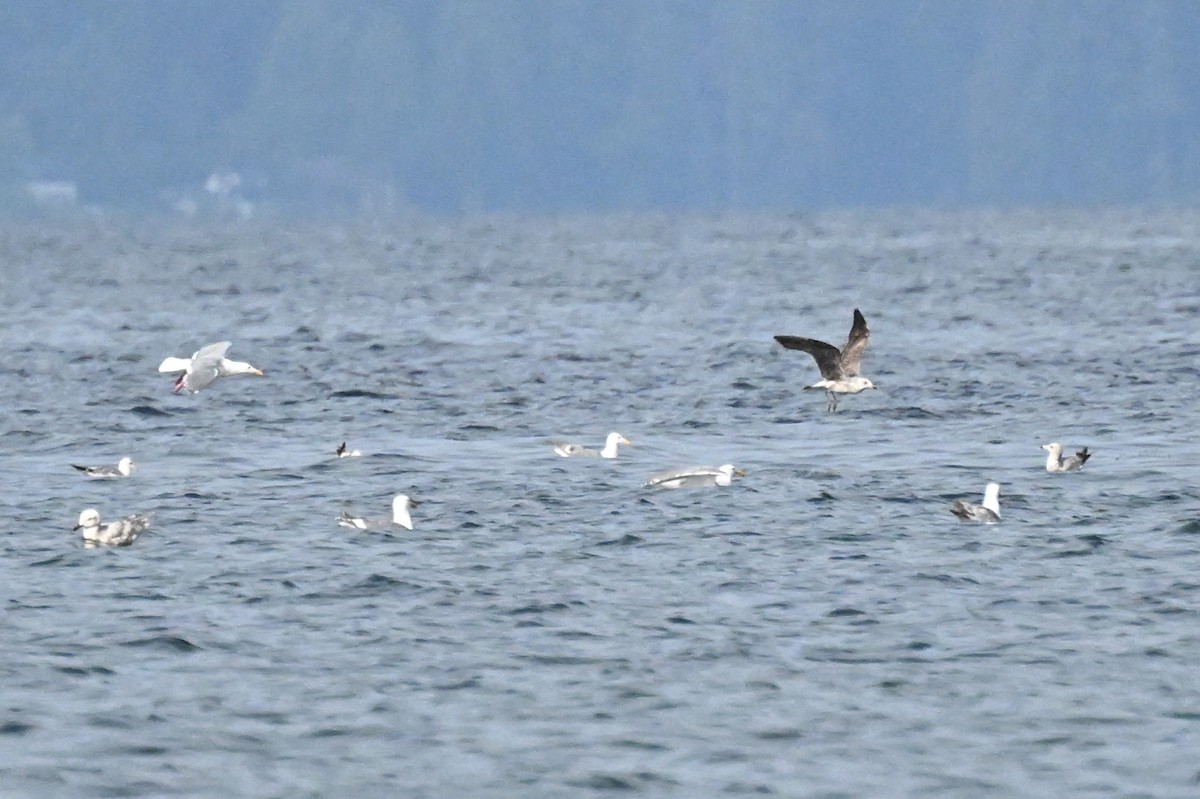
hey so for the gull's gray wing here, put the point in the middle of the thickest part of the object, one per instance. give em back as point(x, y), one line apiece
point(214, 352)
point(205, 366)
point(827, 356)
point(852, 352)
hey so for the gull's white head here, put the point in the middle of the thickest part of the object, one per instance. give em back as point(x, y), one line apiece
point(126, 466)
point(1054, 448)
point(991, 498)
point(858, 383)
point(88, 520)
point(610, 445)
point(240, 368)
point(400, 514)
point(727, 472)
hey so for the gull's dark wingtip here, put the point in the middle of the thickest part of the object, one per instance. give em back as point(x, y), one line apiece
point(791, 342)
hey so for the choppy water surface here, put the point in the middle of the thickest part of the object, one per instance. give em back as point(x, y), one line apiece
point(823, 627)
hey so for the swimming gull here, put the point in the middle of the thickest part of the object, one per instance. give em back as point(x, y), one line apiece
point(120, 533)
point(124, 468)
point(839, 368)
point(1055, 462)
point(342, 452)
point(693, 476)
point(206, 365)
point(988, 512)
point(400, 517)
point(580, 451)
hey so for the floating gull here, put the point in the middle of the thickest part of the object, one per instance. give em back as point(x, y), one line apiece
point(120, 533)
point(693, 476)
point(988, 512)
point(400, 517)
point(206, 365)
point(342, 452)
point(579, 450)
point(839, 368)
point(124, 468)
point(1055, 462)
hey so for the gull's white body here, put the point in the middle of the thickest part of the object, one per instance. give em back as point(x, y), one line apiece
point(988, 512)
point(578, 450)
point(206, 365)
point(342, 452)
point(1055, 462)
point(400, 517)
point(124, 468)
point(120, 533)
point(693, 476)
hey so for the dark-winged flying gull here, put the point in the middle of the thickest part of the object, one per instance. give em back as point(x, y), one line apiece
point(839, 368)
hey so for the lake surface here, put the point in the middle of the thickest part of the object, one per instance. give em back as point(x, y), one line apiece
point(821, 628)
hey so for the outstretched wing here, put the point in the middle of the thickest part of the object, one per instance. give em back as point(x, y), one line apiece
point(206, 366)
point(852, 352)
point(828, 359)
point(211, 352)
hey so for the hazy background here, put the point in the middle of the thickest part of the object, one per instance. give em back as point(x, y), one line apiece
point(548, 106)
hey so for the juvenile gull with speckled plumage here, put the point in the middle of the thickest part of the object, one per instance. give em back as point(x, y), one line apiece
point(839, 368)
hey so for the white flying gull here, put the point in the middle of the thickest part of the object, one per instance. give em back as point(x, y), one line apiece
point(400, 517)
point(120, 533)
point(839, 368)
point(988, 512)
point(124, 468)
point(693, 476)
point(580, 451)
point(343, 452)
point(206, 365)
point(1055, 462)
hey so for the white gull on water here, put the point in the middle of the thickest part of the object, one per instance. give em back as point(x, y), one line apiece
point(579, 450)
point(120, 533)
point(694, 476)
point(206, 365)
point(988, 512)
point(1055, 462)
point(839, 368)
point(343, 452)
point(124, 468)
point(400, 517)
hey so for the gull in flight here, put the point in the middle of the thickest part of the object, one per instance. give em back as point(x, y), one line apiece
point(206, 365)
point(579, 450)
point(120, 533)
point(400, 517)
point(342, 452)
point(1055, 462)
point(839, 368)
point(988, 512)
point(124, 468)
point(693, 476)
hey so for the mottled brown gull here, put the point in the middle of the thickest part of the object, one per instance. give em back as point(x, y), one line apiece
point(839, 368)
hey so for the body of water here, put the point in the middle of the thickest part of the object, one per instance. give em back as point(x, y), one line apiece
point(822, 627)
